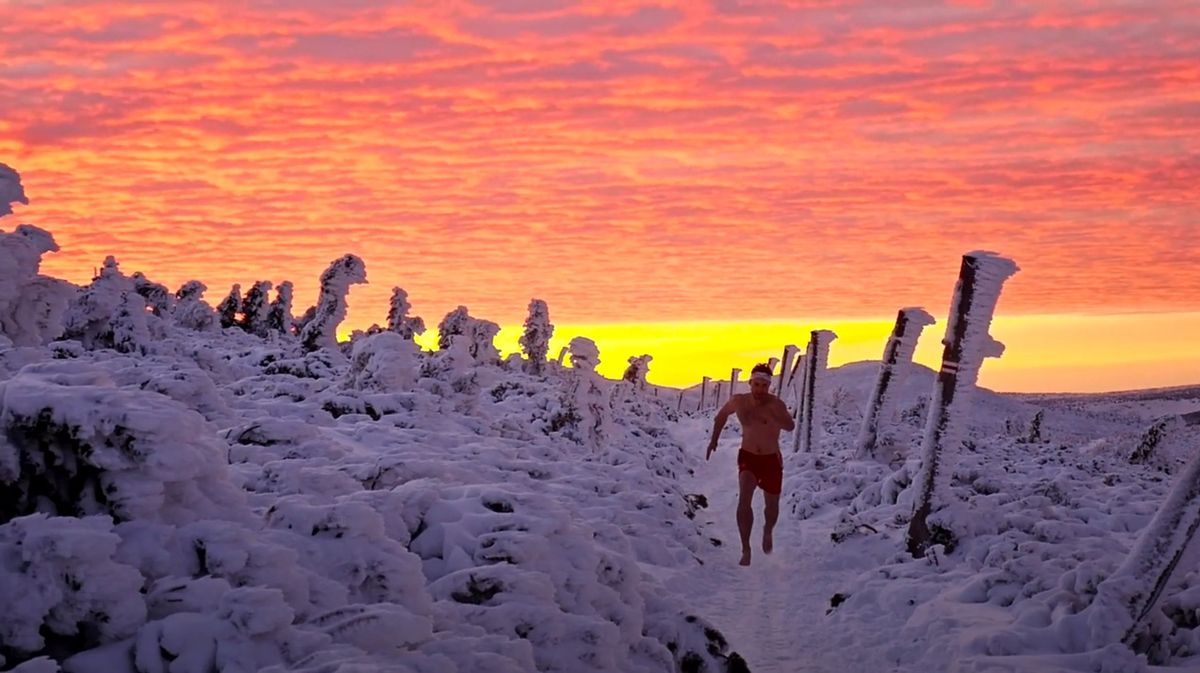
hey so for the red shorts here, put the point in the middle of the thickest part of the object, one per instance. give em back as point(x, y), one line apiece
point(766, 468)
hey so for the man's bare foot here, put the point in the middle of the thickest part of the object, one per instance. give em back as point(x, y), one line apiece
point(768, 542)
point(745, 558)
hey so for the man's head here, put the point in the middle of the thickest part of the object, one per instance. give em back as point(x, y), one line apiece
point(760, 381)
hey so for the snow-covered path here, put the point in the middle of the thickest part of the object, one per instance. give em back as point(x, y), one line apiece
point(773, 612)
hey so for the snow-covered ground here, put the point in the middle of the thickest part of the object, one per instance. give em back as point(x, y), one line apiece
point(183, 497)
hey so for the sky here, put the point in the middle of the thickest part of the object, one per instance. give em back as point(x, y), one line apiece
point(702, 181)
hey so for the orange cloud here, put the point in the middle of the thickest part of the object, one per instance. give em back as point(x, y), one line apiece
point(629, 162)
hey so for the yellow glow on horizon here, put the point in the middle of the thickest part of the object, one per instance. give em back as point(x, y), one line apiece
point(1044, 353)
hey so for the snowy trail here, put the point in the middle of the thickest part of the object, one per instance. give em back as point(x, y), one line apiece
point(773, 612)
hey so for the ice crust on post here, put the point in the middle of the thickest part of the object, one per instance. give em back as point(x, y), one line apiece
point(1127, 598)
point(897, 355)
point(816, 360)
point(967, 342)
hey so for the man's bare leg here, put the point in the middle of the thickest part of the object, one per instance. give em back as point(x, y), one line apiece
point(770, 516)
point(745, 512)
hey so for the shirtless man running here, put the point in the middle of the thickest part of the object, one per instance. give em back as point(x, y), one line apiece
point(759, 462)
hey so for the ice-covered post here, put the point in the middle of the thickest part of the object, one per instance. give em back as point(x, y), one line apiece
point(967, 342)
point(703, 392)
point(1127, 597)
point(733, 381)
point(717, 395)
point(815, 358)
point(789, 354)
point(562, 355)
point(897, 355)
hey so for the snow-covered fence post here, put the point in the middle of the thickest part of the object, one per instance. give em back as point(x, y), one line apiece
point(789, 354)
point(897, 355)
point(703, 392)
point(321, 331)
point(815, 358)
point(535, 340)
point(562, 355)
point(967, 343)
point(733, 381)
point(679, 406)
point(795, 380)
point(1127, 597)
point(717, 395)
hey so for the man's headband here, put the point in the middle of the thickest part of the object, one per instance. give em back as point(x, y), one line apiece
point(761, 376)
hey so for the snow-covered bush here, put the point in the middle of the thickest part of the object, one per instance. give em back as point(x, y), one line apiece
point(108, 311)
point(535, 340)
point(385, 362)
point(77, 445)
point(321, 331)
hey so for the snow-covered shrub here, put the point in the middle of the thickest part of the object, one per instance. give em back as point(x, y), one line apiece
point(398, 319)
point(76, 445)
point(31, 306)
point(279, 317)
point(482, 334)
point(62, 587)
point(230, 306)
point(535, 340)
point(256, 308)
point(191, 311)
point(321, 331)
point(584, 353)
point(385, 362)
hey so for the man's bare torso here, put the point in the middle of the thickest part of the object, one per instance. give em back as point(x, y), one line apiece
point(760, 423)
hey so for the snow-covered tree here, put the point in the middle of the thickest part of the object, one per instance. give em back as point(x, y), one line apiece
point(129, 331)
point(584, 353)
point(157, 296)
point(191, 311)
point(482, 334)
point(454, 324)
point(639, 366)
point(535, 341)
point(89, 319)
point(230, 306)
point(32, 306)
point(398, 319)
point(256, 308)
point(279, 318)
point(321, 331)
point(11, 190)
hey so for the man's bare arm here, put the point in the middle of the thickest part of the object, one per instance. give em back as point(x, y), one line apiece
point(783, 415)
point(719, 424)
